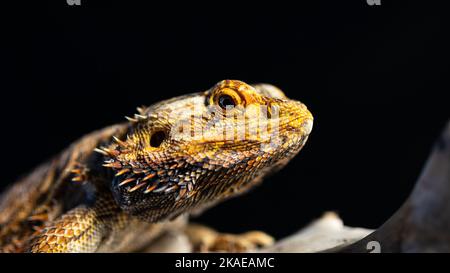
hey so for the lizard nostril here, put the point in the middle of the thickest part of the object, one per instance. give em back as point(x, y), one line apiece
point(157, 138)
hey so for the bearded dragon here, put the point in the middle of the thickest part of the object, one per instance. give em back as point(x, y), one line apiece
point(120, 188)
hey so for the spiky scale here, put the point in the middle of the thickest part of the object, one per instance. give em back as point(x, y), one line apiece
point(161, 188)
point(126, 181)
point(138, 116)
point(150, 188)
point(111, 152)
point(190, 186)
point(101, 151)
point(141, 109)
point(181, 193)
point(171, 189)
point(138, 186)
point(149, 176)
point(77, 179)
point(76, 171)
point(115, 164)
point(131, 119)
point(125, 170)
point(120, 142)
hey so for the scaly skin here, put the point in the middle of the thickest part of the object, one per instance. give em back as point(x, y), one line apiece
point(119, 188)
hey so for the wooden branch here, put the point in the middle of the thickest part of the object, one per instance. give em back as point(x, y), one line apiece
point(325, 233)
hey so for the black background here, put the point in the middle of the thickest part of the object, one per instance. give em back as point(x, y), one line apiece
point(374, 78)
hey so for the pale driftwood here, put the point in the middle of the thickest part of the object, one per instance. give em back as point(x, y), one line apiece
point(422, 224)
point(171, 242)
point(326, 232)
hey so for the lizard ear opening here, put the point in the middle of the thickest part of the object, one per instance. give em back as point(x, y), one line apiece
point(157, 138)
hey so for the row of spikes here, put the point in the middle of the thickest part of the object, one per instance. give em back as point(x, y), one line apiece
point(140, 116)
point(182, 187)
point(121, 170)
point(110, 152)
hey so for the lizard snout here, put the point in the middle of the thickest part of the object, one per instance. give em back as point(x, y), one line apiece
point(308, 125)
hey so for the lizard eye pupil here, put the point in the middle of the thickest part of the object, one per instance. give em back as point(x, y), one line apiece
point(157, 138)
point(226, 101)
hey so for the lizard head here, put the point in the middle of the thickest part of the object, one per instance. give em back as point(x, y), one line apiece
point(194, 150)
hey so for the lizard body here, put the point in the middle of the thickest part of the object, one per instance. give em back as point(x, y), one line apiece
point(119, 188)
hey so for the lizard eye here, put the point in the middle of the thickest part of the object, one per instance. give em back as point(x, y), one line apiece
point(225, 101)
point(226, 98)
point(157, 138)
